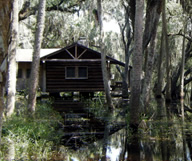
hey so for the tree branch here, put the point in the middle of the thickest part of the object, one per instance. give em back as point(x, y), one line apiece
point(119, 70)
point(27, 11)
point(180, 34)
point(188, 72)
point(187, 81)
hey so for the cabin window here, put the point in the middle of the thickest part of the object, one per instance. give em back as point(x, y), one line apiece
point(76, 73)
point(82, 72)
point(19, 73)
point(70, 72)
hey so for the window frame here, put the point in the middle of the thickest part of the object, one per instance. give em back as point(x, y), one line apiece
point(76, 72)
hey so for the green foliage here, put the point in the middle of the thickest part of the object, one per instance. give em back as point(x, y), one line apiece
point(33, 138)
point(97, 105)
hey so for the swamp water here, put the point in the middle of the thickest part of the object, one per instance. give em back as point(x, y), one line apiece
point(163, 136)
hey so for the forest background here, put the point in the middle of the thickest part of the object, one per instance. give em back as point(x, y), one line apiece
point(153, 36)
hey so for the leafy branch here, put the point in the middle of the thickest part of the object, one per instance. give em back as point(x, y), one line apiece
point(27, 11)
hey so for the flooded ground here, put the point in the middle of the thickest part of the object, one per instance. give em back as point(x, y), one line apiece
point(163, 136)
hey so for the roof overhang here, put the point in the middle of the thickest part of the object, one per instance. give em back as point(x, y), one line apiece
point(25, 55)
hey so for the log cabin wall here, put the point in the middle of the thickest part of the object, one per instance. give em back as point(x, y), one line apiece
point(56, 80)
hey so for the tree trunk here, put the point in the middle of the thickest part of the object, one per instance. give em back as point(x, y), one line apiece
point(34, 76)
point(127, 39)
point(182, 76)
point(103, 58)
point(148, 73)
point(160, 69)
point(168, 78)
point(105, 81)
point(12, 67)
point(137, 66)
point(5, 8)
point(1, 107)
point(152, 19)
point(183, 63)
point(175, 88)
point(153, 12)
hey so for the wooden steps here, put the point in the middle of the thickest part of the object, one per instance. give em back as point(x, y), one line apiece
point(80, 126)
point(68, 106)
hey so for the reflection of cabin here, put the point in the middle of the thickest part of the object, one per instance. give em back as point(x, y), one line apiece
point(73, 68)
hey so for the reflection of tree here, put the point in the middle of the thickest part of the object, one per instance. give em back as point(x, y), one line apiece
point(171, 132)
point(124, 142)
point(183, 125)
point(162, 115)
point(134, 148)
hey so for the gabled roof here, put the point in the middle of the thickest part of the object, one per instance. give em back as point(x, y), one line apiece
point(74, 51)
point(77, 52)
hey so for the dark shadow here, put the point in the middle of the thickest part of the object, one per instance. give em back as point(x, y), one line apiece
point(134, 147)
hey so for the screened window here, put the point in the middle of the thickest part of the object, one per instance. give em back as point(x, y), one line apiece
point(76, 73)
point(82, 72)
point(70, 72)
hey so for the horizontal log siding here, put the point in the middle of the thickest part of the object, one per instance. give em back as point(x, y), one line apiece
point(56, 82)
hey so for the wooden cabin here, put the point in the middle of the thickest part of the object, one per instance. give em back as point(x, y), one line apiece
point(75, 68)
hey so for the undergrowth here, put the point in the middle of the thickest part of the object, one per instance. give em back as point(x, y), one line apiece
point(31, 138)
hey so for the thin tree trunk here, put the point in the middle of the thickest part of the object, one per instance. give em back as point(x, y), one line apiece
point(103, 58)
point(34, 76)
point(168, 78)
point(183, 64)
point(182, 73)
point(175, 88)
point(137, 66)
point(12, 68)
point(126, 32)
point(1, 107)
point(191, 90)
point(160, 69)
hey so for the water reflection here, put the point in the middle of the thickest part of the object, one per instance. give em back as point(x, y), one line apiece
point(165, 137)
